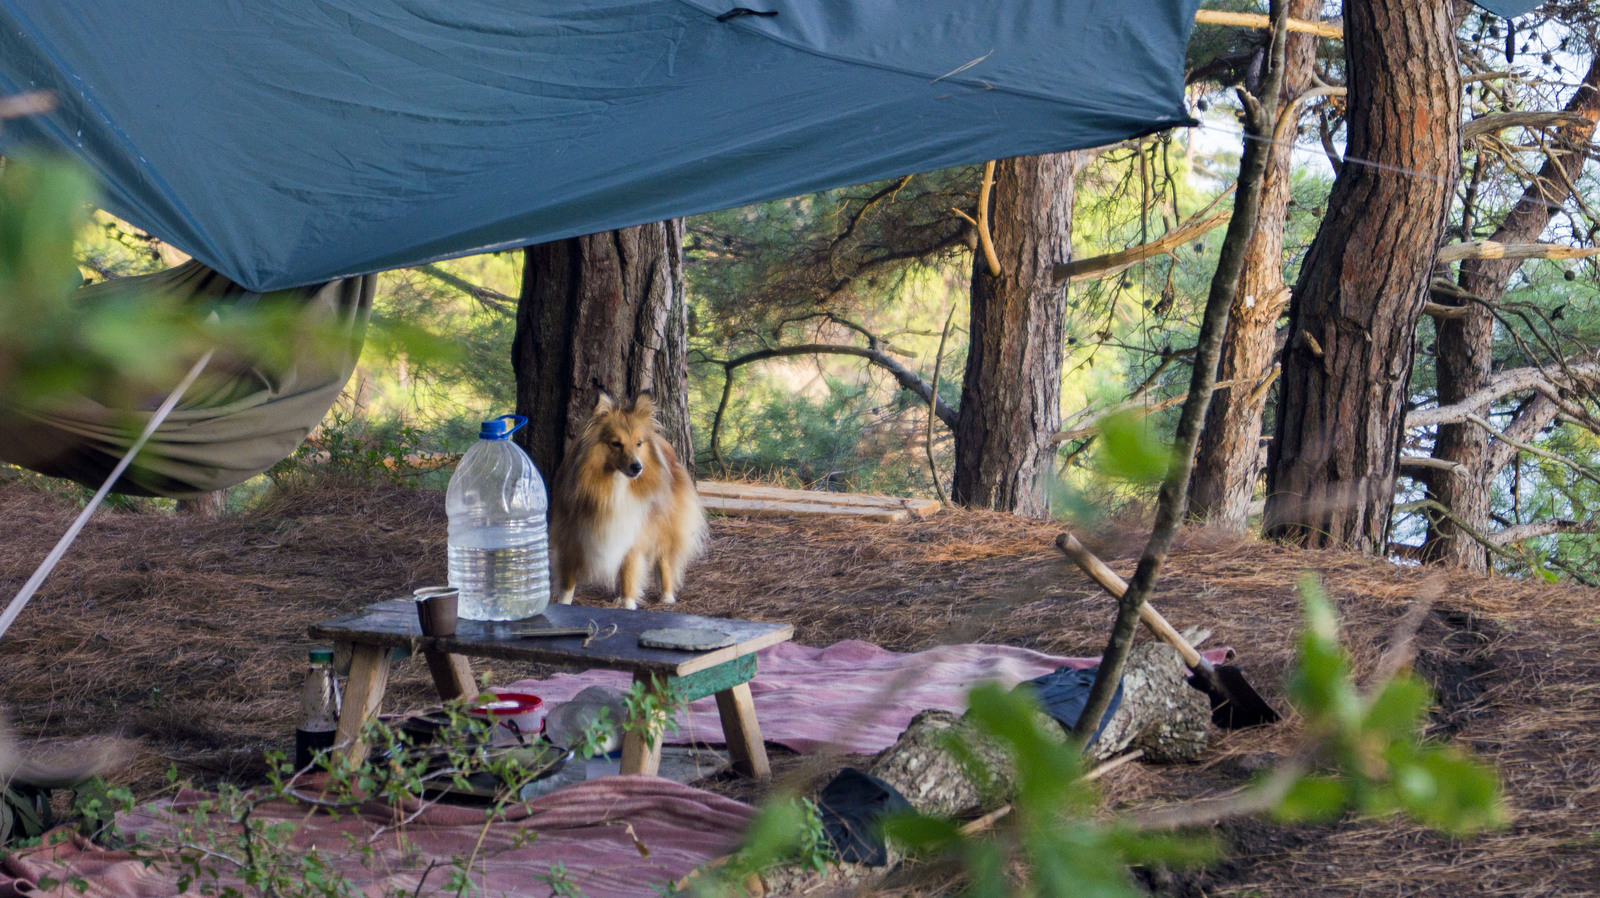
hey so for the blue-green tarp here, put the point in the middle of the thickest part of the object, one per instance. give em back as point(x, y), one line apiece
point(289, 142)
point(1510, 9)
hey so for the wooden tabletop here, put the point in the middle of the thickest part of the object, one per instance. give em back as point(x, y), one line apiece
point(394, 623)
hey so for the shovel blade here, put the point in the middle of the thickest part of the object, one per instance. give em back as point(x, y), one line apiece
point(1235, 704)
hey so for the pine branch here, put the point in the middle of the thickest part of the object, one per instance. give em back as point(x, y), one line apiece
point(490, 299)
point(1103, 266)
point(1520, 532)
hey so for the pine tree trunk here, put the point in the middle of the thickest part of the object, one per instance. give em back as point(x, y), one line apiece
point(1466, 345)
point(207, 505)
point(607, 310)
point(1011, 399)
point(1353, 315)
point(1229, 462)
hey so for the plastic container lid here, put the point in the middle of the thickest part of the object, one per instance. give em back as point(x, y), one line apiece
point(506, 704)
point(321, 656)
point(501, 428)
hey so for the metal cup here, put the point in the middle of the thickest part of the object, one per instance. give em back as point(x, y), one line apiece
point(436, 609)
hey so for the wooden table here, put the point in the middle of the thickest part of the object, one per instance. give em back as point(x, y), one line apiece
point(372, 634)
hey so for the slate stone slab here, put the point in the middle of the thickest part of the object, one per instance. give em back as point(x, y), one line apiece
point(683, 639)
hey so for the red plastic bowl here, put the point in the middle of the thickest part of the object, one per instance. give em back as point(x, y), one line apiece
point(512, 713)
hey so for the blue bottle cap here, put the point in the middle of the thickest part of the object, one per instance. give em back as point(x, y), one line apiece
point(501, 428)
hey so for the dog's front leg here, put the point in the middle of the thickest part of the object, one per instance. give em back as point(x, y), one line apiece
point(668, 582)
point(568, 577)
point(632, 579)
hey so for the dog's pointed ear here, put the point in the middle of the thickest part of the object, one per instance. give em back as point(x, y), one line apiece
point(644, 404)
point(604, 403)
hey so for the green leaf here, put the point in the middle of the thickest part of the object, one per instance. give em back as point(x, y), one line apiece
point(1465, 795)
point(1399, 709)
point(1129, 449)
point(1314, 798)
point(1321, 684)
point(1047, 764)
point(1165, 848)
point(918, 832)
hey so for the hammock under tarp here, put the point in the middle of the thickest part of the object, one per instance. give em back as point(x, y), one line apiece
point(234, 423)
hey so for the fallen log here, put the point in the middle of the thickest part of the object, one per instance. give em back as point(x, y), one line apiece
point(1160, 715)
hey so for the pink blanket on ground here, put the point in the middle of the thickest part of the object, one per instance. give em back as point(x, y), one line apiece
point(851, 696)
point(591, 829)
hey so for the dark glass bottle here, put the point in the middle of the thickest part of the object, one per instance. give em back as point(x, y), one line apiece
point(319, 710)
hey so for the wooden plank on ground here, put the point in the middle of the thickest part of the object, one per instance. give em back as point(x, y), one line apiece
point(922, 507)
point(767, 508)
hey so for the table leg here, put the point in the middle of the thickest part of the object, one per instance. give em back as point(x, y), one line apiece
point(742, 733)
point(452, 675)
point(637, 757)
point(369, 676)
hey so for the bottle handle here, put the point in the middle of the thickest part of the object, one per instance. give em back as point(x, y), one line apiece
point(517, 422)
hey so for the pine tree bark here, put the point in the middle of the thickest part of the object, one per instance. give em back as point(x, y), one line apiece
point(1011, 398)
point(1353, 315)
point(1229, 461)
point(607, 310)
point(1466, 345)
point(209, 505)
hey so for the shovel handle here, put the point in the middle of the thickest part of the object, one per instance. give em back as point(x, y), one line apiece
point(1102, 574)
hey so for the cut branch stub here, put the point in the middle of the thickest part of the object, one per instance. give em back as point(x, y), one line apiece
point(984, 237)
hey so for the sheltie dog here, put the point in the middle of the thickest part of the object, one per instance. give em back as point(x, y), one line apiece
point(624, 505)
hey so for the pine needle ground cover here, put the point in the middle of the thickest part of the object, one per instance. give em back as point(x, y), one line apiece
point(188, 634)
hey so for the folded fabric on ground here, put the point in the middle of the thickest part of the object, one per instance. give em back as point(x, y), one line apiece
point(598, 832)
point(851, 696)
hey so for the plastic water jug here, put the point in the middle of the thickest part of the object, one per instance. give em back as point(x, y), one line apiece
point(499, 541)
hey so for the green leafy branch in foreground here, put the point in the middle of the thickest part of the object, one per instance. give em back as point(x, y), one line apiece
point(237, 842)
point(1379, 765)
point(1360, 752)
point(652, 713)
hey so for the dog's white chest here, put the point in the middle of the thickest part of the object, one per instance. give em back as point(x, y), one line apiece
point(615, 533)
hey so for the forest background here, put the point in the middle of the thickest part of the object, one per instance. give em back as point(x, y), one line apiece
point(774, 291)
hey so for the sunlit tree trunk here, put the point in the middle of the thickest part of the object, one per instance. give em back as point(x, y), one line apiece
point(607, 310)
point(1011, 398)
point(1228, 464)
point(208, 505)
point(1466, 345)
point(1353, 315)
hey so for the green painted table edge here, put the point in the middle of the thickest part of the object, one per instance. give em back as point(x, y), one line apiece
point(712, 680)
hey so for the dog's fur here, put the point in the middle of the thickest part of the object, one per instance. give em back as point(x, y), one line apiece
point(624, 505)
